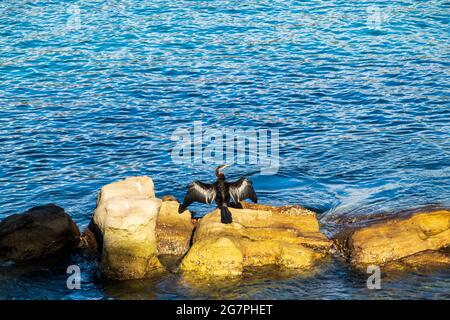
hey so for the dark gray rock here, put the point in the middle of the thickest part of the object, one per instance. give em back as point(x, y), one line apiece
point(39, 232)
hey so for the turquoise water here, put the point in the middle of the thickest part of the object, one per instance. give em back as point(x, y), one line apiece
point(92, 92)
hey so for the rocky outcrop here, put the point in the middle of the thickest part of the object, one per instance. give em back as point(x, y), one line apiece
point(260, 235)
point(392, 239)
point(124, 225)
point(422, 260)
point(173, 230)
point(40, 232)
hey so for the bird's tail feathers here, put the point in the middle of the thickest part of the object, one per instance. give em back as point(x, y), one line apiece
point(225, 215)
point(181, 209)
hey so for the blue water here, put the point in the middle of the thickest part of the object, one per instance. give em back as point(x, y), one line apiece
point(92, 92)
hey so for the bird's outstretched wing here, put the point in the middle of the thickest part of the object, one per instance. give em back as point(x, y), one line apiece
point(198, 192)
point(241, 190)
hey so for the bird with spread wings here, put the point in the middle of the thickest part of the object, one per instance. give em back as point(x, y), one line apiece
point(222, 192)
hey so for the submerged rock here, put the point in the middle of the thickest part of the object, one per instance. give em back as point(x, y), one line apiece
point(124, 225)
point(40, 232)
point(393, 239)
point(260, 235)
point(173, 230)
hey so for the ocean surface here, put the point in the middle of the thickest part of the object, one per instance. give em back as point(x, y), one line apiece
point(94, 91)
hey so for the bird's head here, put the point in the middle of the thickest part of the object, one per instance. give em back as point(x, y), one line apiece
point(219, 169)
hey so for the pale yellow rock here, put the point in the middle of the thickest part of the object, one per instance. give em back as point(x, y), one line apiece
point(260, 235)
point(173, 230)
point(393, 239)
point(125, 223)
point(293, 256)
point(220, 256)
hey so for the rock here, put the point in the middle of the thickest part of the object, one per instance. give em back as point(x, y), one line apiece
point(422, 260)
point(260, 235)
point(169, 197)
point(40, 232)
point(395, 238)
point(173, 230)
point(124, 225)
point(220, 256)
point(87, 240)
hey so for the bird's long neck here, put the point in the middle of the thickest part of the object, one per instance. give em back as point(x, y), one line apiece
point(219, 175)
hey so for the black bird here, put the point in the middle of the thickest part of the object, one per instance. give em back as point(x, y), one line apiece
point(221, 192)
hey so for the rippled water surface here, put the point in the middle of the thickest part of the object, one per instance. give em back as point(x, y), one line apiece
point(92, 92)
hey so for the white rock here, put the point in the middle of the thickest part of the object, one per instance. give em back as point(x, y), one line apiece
point(125, 218)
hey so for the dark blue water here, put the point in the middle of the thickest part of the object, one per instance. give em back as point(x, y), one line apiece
point(92, 92)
